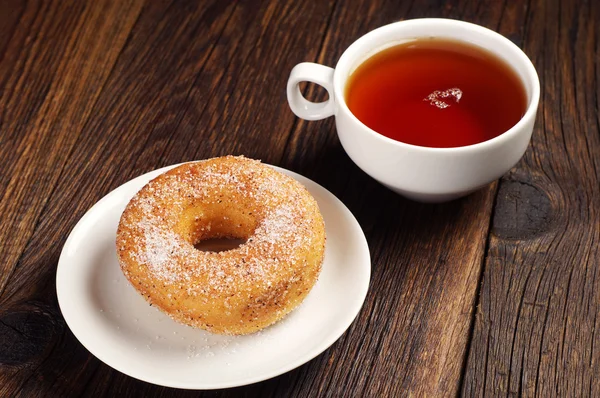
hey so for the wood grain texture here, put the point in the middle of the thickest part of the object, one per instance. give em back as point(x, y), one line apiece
point(52, 79)
point(536, 324)
point(93, 94)
point(45, 127)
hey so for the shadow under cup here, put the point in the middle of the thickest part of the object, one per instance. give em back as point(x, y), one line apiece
point(420, 173)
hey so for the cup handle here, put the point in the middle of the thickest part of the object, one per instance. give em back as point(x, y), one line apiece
point(314, 73)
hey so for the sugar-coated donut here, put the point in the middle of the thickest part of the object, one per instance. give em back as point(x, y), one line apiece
point(238, 291)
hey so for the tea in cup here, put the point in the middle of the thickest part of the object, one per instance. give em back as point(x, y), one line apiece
point(433, 109)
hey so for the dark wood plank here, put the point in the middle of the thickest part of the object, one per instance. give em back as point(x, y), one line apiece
point(53, 68)
point(25, 32)
point(47, 99)
point(536, 324)
point(238, 104)
point(10, 18)
point(32, 40)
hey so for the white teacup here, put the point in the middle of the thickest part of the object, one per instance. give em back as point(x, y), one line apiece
point(420, 173)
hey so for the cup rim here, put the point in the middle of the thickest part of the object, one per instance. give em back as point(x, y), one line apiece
point(531, 73)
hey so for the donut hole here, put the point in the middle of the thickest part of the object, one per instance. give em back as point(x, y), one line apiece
point(219, 244)
point(216, 227)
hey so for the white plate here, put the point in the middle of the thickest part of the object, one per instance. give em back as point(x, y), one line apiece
point(119, 327)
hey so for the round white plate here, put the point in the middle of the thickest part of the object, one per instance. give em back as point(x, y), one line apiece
point(118, 326)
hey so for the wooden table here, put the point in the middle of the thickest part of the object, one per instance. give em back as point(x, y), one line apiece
point(496, 294)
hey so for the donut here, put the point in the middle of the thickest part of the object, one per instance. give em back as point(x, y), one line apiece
point(237, 291)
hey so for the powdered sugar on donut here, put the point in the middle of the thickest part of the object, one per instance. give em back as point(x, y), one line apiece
point(160, 246)
point(283, 234)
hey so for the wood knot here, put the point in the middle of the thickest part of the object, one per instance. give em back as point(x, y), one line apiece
point(25, 334)
point(522, 211)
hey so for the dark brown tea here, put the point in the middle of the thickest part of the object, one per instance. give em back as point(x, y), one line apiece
point(436, 93)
